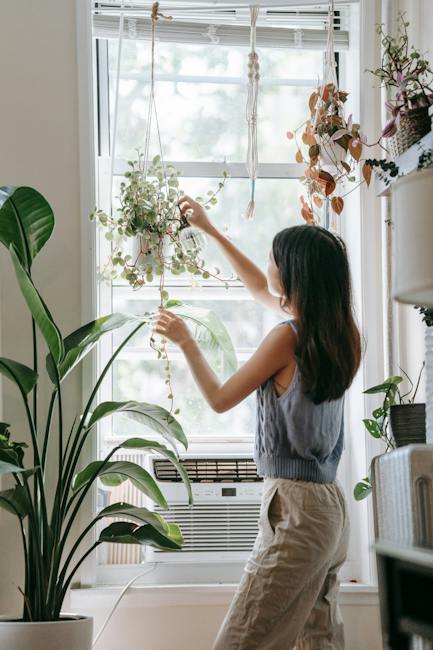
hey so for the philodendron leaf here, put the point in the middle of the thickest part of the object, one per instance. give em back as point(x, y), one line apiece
point(372, 428)
point(82, 341)
point(209, 332)
point(151, 415)
point(26, 221)
point(141, 443)
point(15, 501)
point(23, 376)
point(362, 489)
point(388, 384)
point(123, 532)
point(115, 473)
point(39, 310)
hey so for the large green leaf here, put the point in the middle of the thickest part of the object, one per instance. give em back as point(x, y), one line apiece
point(151, 415)
point(81, 342)
point(15, 501)
point(142, 515)
point(115, 473)
point(26, 221)
point(39, 310)
point(141, 443)
point(23, 376)
point(123, 532)
point(211, 334)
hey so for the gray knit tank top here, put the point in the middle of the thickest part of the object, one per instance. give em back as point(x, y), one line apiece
point(295, 438)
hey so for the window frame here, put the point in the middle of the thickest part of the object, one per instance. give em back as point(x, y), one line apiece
point(90, 175)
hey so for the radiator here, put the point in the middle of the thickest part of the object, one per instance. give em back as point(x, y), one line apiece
point(403, 507)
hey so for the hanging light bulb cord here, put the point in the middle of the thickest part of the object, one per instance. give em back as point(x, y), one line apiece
point(119, 598)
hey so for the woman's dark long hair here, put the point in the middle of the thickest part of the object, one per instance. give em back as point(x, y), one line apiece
point(315, 275)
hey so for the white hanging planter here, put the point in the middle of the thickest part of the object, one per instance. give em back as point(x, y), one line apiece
point(143, 258)
point(412, 217)
point(331, 153)
point(71, 633)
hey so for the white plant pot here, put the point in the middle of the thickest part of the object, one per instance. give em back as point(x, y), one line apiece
point(72, 633)
point(138, 245)
point(412, 217)
point(331, 153)
point(429, 383)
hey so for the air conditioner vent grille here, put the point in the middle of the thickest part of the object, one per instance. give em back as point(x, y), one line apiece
point(209, 470)
point(215, 527)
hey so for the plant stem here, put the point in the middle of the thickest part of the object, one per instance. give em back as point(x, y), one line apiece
point(77, 445)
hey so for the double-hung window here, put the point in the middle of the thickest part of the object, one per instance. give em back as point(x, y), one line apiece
point(201, 92)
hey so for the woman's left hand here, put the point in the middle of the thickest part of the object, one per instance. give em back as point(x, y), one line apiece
point(172, 327)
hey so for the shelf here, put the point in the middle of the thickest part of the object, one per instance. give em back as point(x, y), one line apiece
point(406, 163)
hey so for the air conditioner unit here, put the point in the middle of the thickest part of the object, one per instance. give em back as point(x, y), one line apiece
point(222, 523)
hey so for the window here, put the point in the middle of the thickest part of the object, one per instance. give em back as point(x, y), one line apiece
point(201, 97)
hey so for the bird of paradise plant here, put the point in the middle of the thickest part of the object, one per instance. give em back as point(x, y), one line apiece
point(53, 550)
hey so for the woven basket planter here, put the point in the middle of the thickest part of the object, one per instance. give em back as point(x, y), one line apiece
point(413, 126)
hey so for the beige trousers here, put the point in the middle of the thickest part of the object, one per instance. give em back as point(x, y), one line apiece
point(287, 597)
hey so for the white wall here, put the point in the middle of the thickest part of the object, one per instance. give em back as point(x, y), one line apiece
point(39, 147)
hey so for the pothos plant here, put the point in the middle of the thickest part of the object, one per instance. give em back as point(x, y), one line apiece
point(148, 219)
point(332, 149)
point(377, 425)
point(53, 543)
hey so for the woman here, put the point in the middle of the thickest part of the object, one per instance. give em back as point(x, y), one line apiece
point(288, 593)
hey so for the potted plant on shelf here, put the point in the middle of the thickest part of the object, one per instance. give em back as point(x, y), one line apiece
point(398, 421)
point(407, 73)
point(52, 545)
point(332, 148)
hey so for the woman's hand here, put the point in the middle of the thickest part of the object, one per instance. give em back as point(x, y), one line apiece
point(172, 327)
point(195, 214)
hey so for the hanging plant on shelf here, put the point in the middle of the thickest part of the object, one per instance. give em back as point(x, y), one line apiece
point(332, 149)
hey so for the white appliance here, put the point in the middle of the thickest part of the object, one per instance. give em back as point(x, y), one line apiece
point(221, 525)
point(403, 496)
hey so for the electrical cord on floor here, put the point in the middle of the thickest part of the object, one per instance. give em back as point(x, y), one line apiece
point(119, 598)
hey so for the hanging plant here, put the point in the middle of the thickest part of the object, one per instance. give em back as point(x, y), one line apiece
point(332, 148)
point(148, 216)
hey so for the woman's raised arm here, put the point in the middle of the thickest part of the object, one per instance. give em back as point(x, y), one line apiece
point(249, 273)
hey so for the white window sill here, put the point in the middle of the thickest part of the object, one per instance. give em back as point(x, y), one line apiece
point(86, 599)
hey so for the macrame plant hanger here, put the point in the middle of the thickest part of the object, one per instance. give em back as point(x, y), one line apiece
point(151, 109)
point(329, 76)
point(252, 162)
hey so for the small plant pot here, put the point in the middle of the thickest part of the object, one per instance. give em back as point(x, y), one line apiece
point(413, 126)
point(141, 255)
point(70, 633)
point(408, 424)
point(331, 153)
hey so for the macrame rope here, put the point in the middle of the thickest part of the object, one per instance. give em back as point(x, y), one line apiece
point(329, 71)
point(116, 105)
point(252, 163)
